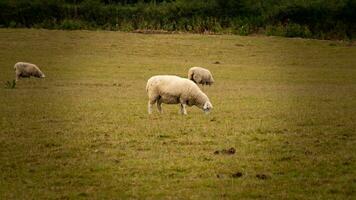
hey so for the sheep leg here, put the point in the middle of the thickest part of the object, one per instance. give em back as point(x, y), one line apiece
point(183, 110)
point(17, 76)
point(150, 103)
point(159, 106)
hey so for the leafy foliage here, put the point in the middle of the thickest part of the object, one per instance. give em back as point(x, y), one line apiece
point(297, 18)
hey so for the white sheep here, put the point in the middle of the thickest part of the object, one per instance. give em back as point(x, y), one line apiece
point(200, 76)
point(24, 69)
point(171, 89)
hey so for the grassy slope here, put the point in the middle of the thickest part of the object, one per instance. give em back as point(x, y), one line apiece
point(288, 106)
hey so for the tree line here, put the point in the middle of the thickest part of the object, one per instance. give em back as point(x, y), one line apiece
point(324, 19)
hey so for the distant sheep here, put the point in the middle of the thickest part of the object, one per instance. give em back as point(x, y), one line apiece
point(200, 76)
point(170, 89)
point(23, 69)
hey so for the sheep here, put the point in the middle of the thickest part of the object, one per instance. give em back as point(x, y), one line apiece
point(24, 69)
point(200, 75)
point(170, 89)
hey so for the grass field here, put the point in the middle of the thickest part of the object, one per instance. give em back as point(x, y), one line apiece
point(288, 107)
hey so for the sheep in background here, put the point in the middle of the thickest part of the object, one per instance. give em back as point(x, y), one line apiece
point(23, 69)
point(200, 76)
point(171, 89)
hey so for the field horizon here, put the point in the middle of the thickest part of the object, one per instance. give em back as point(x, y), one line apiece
point(286, 106)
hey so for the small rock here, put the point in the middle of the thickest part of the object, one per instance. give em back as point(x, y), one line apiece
point(237, 175)
point(230, 151)
point(217, 62)
point(307, 152)
point(262, 176)
point(346, 163)
point(83, 194)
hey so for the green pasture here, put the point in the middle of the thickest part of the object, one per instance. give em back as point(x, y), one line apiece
point(287, 106)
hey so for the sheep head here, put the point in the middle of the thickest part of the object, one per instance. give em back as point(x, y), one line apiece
point(207, 107)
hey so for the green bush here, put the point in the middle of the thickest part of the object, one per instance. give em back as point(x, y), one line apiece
point(296, 30)
point(275, 30)
point(126, 26)
point(297, 18)
point(289, 30)
point(12, 24)
point(69, 24)
point(244, 30)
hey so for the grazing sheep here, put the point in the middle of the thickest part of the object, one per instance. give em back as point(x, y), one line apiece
point(200, 76)
point(23, 69)
point(170, 89)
